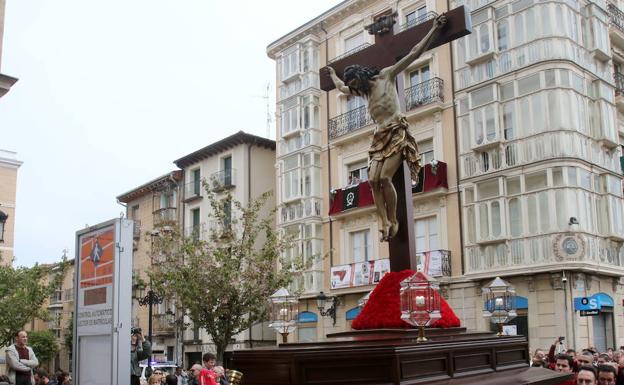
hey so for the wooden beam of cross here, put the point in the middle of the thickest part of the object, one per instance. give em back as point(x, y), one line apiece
point(386, 51)
point(390, 47)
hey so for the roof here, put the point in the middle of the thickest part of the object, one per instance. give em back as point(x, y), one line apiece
point(149, 186)
point(223, 145)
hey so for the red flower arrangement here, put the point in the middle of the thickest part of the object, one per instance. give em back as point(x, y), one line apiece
point(383, 309)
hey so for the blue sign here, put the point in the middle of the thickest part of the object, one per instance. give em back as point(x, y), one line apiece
point(307, 316)
point(595, 302)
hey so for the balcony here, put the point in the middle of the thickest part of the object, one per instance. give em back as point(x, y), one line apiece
point(427, 92)
point(193, 191)
point(136, 229)
point(349, 52)
point(223, 180)
point(543, 253)
point(616, 25)
point(165, 215)
point(162, 325)
point(349, 122)
point(358, 274)
point(435, 263)
point(419, 20)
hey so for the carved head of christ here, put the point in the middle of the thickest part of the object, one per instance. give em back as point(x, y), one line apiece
point(356, 77)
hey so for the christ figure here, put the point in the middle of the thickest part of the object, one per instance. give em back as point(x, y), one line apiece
point(392, 142)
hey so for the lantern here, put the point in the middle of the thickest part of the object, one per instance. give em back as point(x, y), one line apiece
point(499, 299)
point(420, 302)
point(284, 313)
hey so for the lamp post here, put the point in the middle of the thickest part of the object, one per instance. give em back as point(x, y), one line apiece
point(321, 303)
point(149, 300)
point(499, 303)
point(180, 326)
point(284, 313)
point(3, 220)
point(420, 302)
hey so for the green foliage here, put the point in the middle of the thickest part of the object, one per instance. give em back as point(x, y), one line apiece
point(23, 292)
point(69, 333)
point(43, 343)
point(224, 282)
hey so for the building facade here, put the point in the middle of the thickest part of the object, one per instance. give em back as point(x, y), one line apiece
point(6, 82)
point(242, 165)
point(153, 206)
point(540, 130)
point(9, 166)
point(323, 140)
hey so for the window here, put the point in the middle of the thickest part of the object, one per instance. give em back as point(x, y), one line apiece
point(134, 213)
point(426, 233)
point(508, 120)
point(226, 165)
point(426, 151)
point(503, 35)
point(353, 42)
point(419, 94)
point(361, 246)
point(357, 172)
point(420, 75)
point(306, 334)
point(195, 223)
point(515, 217)
point(416, 17)
point(290, 177)
point(196, 176)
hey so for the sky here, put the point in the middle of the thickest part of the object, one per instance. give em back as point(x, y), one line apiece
point(110, 93)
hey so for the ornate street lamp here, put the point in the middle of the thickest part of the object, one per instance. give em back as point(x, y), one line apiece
point(3, 220)
point(150, 299)
point(499, 299)
point(364, 300)
point(321, 302)
point(284, 313)
point(420, 302)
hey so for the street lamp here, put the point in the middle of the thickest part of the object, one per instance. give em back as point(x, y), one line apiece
point(3, 220)
point(284, 313)
point(420, 302)
point(149, 300)
point(499, 303)
point(321, 303)
point(364, 300)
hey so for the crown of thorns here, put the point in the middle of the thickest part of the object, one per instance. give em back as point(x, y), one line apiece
point(362, 75)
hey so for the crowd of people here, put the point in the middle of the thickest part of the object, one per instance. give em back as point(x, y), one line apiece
point(589, 366)
point(207, 374)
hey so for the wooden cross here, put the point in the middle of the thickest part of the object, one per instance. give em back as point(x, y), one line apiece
point(386, 51)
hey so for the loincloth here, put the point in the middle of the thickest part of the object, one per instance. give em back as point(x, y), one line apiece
point(395, 138)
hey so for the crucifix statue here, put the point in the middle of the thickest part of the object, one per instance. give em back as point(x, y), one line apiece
point(393, 147)
point(392, 142)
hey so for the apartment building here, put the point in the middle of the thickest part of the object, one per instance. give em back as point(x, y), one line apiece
point(323, 138)
point(9, 166)
point(539, 117)
point(243, 165)
point(153, 206)
point(6, 81)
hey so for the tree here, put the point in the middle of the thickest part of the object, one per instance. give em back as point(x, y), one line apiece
point(23, 292)
point(224, 283)
point(69, 333)
point(43, 343)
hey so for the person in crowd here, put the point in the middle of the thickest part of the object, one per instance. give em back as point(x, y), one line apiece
point(607, 375)
point(207, 376)
point(140, 349)
point(564, 364)
point(181, 376)
point(603, 358)
point(41, 377)
point(154, 380)
point(220, 372)
point(586, 375)
point(539, 359)
point(585, 358)
point(171, 379)
point(21, 360)
point(195, 370)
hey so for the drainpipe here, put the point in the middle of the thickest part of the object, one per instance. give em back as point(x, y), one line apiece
point(459, 204)
point(331, 225)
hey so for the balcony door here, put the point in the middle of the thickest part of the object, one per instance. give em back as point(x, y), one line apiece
point(227, 171)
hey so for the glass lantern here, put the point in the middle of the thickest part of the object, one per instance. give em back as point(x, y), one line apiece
point(284, 313)
point(364, 300)
point(499, 299)
point(420, 302)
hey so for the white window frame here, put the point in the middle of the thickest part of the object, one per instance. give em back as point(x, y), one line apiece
point(367, 246)
point(428, 233)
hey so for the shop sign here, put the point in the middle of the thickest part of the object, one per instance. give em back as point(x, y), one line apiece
point(589, 313)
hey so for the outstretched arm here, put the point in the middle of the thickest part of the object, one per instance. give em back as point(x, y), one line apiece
point(419, 48)
point(338, 83)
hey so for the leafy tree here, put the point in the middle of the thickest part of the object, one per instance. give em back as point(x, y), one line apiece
point(69, 333)
point(23, 292)
point(43, 343)
point(224, 282)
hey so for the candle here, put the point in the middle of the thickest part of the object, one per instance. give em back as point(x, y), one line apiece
point(283, 312)
point(498, 302)
point(420, 300)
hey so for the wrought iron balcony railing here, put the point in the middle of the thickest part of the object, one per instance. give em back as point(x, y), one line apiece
point(167, 214)
point(193, 189)
point(616, 16)
point(419, 20)
point(423, 93)
point(349, 52)
point(223, 179)
point(619, 83)
point(348, 122)
point(435, 263)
